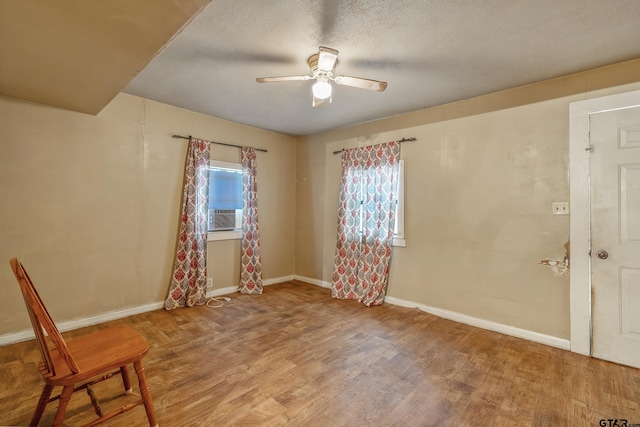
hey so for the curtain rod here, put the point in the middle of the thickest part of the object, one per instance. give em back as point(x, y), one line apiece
point(219, 143)
point(400, 141)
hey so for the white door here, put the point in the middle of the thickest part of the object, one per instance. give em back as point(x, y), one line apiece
point(615, 235)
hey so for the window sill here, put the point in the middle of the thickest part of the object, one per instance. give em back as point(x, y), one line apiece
point(224, 235)
point(399, 241)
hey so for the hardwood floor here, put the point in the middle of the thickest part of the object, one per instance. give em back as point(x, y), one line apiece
point(295, 356)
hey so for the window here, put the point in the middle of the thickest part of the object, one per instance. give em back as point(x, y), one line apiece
point(398, 229)
point(225, 200)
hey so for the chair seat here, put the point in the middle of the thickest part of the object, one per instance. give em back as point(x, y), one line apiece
point(98, 352)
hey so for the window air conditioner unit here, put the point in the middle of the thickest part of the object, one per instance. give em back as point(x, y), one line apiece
point(222, 219)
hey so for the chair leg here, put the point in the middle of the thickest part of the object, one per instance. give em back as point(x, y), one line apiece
point(42, 403)
point(125, 380)
point(65, 396)
point(146, 394)
point(94, 401)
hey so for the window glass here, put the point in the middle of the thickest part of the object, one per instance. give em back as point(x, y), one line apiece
point(398, 229)
point(225, 196)
point(225, 188)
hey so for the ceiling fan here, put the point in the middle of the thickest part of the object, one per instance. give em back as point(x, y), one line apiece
point(323, 65)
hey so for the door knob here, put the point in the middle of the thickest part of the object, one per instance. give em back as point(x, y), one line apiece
point(602, 254)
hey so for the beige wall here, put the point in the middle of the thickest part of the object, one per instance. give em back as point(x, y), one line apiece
point(479, 185)
point(90, 204)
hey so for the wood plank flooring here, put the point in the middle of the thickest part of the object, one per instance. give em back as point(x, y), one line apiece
point(295, 356)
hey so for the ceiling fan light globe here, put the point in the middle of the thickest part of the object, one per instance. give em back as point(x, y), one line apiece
point(321, 89)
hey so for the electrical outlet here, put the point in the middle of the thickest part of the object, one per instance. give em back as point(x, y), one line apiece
point(209, 283)
point(560, 208)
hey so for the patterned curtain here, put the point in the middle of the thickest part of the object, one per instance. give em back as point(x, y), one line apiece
point(366, 218)
point(251, 273)
point(189, 280)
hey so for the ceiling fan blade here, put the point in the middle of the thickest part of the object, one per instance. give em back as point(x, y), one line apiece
point(282, 79)
point(361, 83)
point(327, 59)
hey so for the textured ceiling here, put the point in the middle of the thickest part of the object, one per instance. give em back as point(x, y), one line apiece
point(78, 54)
point(429, 51)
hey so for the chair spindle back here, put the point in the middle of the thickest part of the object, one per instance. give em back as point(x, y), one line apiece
point(42, 323)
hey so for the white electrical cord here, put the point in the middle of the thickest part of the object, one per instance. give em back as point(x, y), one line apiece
point(219, 301)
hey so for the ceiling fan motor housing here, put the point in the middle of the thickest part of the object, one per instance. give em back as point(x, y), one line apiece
point(313, 64)
point(322, 66)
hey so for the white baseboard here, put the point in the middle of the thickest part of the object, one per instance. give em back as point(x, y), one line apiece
point(81, 323)
point(268, 282)
point(27, 334)
point(485, 324)
point(233, 289)
point(463, 318)
point(447, 314)
point(222, 291)
point(311, 281)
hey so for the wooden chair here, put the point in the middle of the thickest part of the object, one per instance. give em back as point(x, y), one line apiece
point(82, 362)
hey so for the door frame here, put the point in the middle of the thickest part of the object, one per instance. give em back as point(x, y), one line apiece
point(580, 218)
